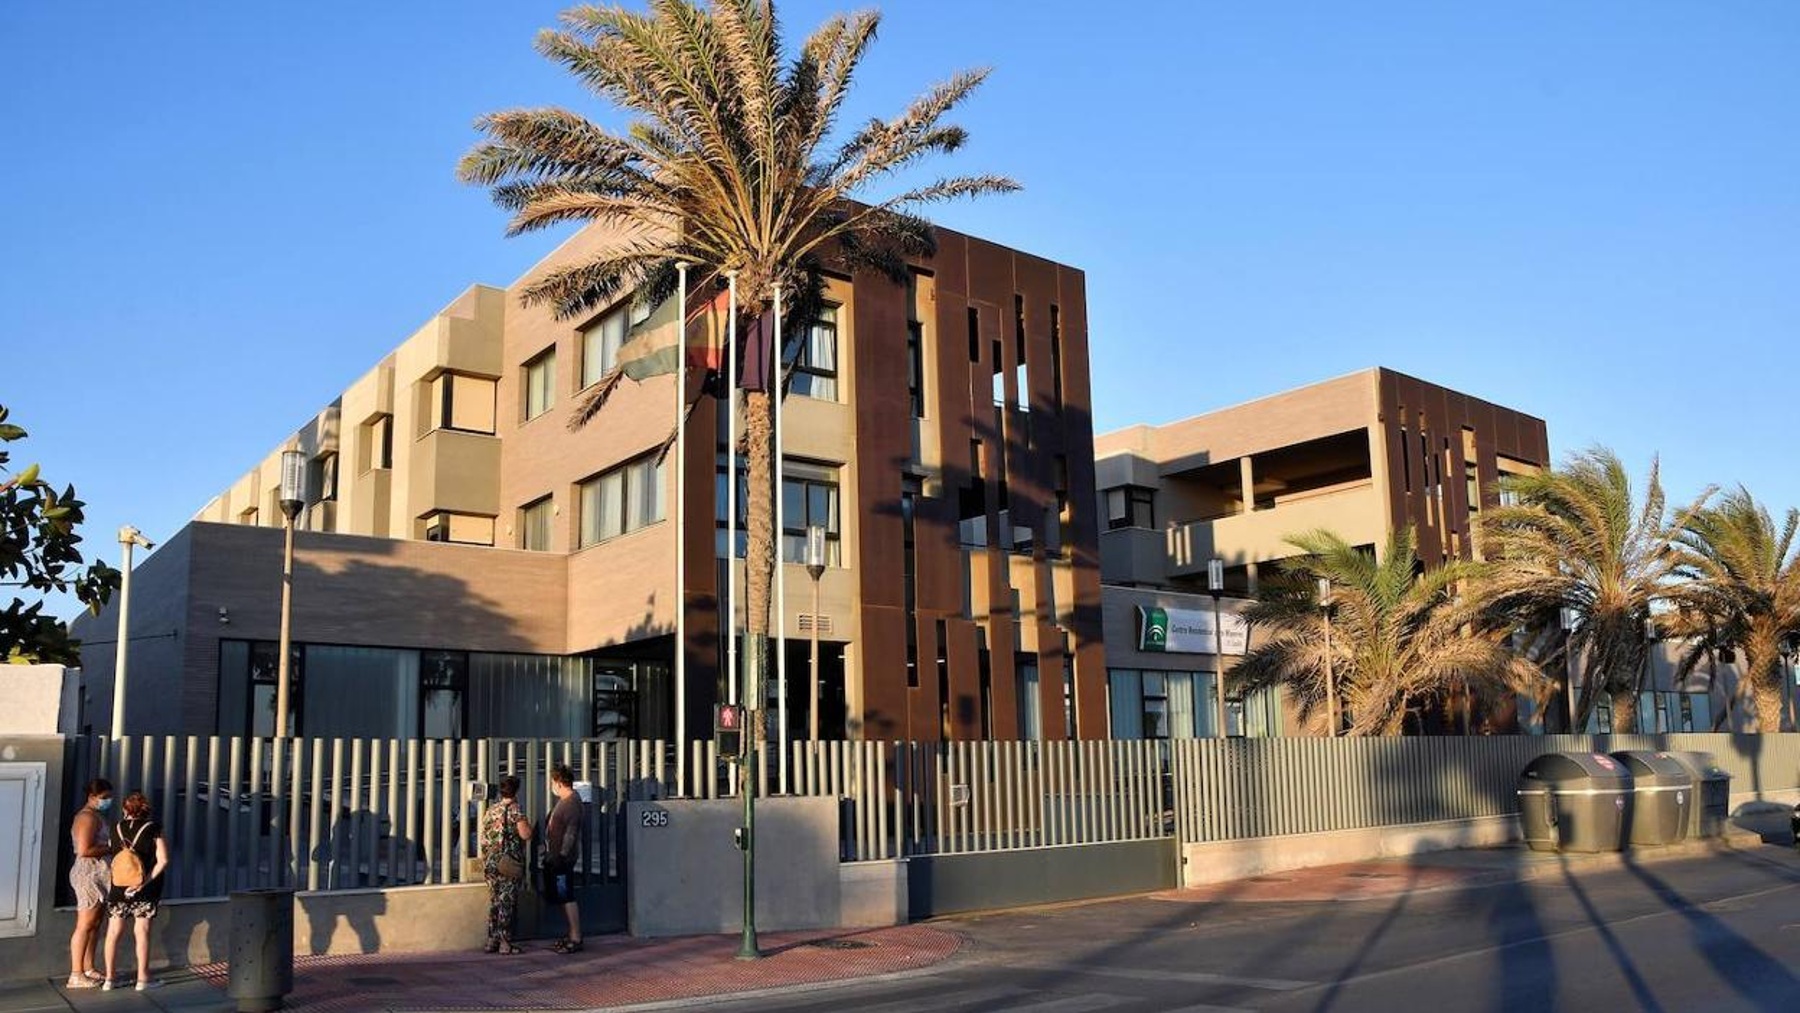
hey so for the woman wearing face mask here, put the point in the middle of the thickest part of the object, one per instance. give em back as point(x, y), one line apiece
point(88, 876)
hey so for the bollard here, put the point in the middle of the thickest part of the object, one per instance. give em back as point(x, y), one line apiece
point(262, 949)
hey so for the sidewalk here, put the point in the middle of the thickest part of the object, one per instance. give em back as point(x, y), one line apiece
point(612, 971)
point(1465, 869)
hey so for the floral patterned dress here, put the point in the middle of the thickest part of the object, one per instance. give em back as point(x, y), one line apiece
point(500, 836)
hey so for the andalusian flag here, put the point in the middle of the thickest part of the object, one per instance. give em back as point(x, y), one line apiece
point(651, 347)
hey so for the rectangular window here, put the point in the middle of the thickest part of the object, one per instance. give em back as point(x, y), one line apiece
point(910, 582)
point(1031, 718)
point(443, 686)
point(721, 497)
point(467, 529)
point(620, 500)
point(247, 681)
point(321, 478)
point(974, 335)
point(462, 403)
point(600, 344)
point(915, 367)
point(534, 524)
point(1056, 358)
point(984, 676)
point(943, 677)
point(248, 516)
point(540, 384)
point(808, 498)
point(1130, 506)
point(375, 444)
point(814, 352)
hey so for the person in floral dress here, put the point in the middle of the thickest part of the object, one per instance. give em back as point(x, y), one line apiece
point(504, 831)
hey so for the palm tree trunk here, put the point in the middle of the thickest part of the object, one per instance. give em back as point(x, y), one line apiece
point(1762, 672)
point(759, 556)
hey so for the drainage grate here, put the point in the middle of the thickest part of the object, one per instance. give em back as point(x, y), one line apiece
point(841, 944)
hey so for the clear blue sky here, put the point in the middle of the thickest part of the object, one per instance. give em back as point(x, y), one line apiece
point(217, 215)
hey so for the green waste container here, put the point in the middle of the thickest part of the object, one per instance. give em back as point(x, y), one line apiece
point(1574, 802)
point(261, 970)
point(1711, 808)
point(1662, 795)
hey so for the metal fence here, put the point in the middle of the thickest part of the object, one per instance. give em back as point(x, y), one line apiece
point(1239, 788)
point(334, 814)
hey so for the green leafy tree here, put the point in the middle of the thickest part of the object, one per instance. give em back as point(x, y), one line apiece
point(730, 164)
point(1399, 634)
point(1578, 540)
point(40, 554)
point(1744, 595)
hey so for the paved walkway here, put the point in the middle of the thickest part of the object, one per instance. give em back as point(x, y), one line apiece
point(612, 971)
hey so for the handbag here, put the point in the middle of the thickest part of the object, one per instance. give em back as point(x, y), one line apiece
point(509, 867)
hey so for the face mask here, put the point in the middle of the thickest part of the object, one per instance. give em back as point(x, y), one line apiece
point(104, 805)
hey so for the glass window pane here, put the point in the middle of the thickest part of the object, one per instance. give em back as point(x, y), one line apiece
point(1181, 705)
point(612, 502)
point(793, 504)
point(590, 513)
point(1127, 700)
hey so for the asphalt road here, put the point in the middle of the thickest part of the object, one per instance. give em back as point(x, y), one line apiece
point(1716, 933)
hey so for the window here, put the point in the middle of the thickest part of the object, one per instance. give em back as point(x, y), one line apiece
point(915, 367)
point(808, 498)
point(443, 686)
point(375, 444)
point(321, 478)
point(248, 516)
point(815, 355)
point(910, 581)
point(1130, 506)
point(974, 335)
point(468, 529)
point(600, 344)
point(540, 384)
point(621, 500)
point(462, 403)
point(721, 495)
point(534, 524)
point(247, 687)
point(1031, 721)
point(1056, 360)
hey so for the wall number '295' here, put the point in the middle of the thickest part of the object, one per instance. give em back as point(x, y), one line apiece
point(655, 818)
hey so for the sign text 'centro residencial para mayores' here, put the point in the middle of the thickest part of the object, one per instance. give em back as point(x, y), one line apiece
point(1188, 631)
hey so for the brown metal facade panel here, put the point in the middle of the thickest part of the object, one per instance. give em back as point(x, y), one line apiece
point(1425, 426)
point(966, 703)
point(882, 658)
point(923, 702)
point(882, 440)
point(1050, 683)
point(1002, 664)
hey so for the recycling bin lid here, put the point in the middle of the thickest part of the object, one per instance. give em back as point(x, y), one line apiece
point(1655, 768)
point(1573, 768)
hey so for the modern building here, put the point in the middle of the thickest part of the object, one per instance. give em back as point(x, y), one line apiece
point(1361, 455)
point(470, 563)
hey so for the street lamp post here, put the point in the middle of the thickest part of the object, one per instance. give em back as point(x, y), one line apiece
point(1215, 582)
point(1331, 697)
point(1568, 618)
point(293, 482)
point(815, 568)
point(128, 537)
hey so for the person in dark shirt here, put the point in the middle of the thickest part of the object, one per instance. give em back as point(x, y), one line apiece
point(562, 845)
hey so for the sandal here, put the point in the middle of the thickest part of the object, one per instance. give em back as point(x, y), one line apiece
point(508, 949)
point(80, 981)
point(491, 946)
point(567, 946)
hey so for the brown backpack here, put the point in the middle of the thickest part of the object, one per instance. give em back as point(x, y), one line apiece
point(127, 867)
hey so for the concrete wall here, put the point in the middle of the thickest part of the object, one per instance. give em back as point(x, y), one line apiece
point(188, 932)
point(686, 876)
point(947, 884)
point(34, 696)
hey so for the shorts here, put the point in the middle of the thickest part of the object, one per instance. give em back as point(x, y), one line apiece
point(559, 885)
point(90, 879)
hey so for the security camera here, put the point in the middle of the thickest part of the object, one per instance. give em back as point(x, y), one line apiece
point(129, 535)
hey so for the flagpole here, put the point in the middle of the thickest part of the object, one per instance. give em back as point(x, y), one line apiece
point(731, 495)
point(681, 329)
point(781, 688)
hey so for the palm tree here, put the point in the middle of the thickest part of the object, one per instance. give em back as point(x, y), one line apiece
point(730, 164)
point(1746, 592)
point(1576, 543)
point(1398, 633)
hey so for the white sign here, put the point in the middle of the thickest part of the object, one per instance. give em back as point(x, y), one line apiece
point(1188, 631)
